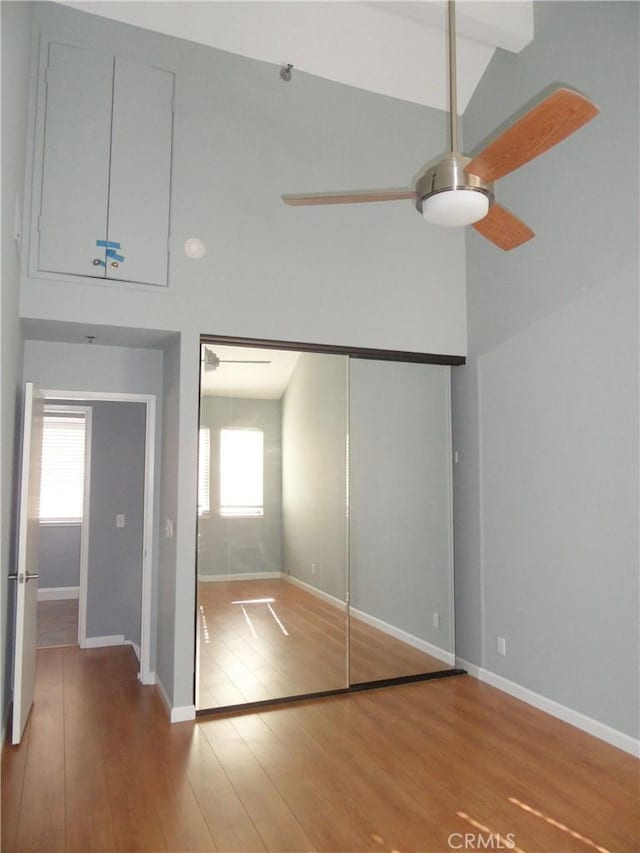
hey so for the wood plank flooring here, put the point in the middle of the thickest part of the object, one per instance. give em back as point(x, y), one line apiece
point(288, 642)
point(403, 768)
point(57, 623)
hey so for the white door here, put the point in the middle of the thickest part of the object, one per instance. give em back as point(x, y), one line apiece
point(24, 664)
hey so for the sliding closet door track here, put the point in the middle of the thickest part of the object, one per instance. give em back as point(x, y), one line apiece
point(249, 707)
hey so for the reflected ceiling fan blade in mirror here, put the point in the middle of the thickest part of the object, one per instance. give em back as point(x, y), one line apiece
point(211, 361)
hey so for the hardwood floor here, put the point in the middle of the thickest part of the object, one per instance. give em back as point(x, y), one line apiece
point(265, 639)
point(403, 768)
point(57, 623)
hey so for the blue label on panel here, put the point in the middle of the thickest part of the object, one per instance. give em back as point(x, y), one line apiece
point(108, 244)
point(111, 253)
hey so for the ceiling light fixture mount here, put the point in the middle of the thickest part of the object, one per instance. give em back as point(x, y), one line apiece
point(447, 195)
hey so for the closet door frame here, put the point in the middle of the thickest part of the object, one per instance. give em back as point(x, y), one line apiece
point(352, 352)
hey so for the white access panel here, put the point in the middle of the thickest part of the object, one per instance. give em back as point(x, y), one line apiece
point(140, 173)
point(75, 180)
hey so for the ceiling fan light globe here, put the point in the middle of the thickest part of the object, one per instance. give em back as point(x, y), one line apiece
point(455, 208)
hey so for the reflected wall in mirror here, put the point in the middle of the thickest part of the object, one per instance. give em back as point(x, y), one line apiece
point(272, 526)
point(401, 552)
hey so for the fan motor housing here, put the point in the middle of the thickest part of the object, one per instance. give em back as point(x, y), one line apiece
point(449, 174)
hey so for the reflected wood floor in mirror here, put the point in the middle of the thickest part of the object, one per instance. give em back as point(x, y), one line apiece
point(265, 639)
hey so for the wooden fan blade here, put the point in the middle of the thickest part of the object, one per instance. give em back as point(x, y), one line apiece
point(547, 124)
point(504, 229)
point(349, 198)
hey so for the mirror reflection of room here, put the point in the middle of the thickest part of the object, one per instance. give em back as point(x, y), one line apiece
point(401, 554)
point(272, 528)
point(324, 523)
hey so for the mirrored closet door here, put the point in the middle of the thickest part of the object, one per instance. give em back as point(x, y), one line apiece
point(272, 525)
point(400, 558)
point(324, 523)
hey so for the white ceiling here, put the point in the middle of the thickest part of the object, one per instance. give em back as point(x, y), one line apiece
point(392, 48)
point(255, 381)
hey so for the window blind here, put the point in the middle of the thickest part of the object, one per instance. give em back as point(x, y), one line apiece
point(204, 464)
point(62, 477)
point(241, 472)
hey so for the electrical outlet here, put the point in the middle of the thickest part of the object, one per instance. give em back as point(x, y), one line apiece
point(120, 519)
point(502, 646)
point(313, 568)
point(436, 619)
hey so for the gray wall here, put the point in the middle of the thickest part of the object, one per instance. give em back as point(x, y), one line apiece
point(16, 23)
point(59, 563)
point(242, 138)
point(238, 545)
point(547, 407)
point(167, 559)
point(114, 582)
point(401, 562)
point(314, 488)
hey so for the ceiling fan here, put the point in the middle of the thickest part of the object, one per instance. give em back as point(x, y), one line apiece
point(210, 360)
point(459, 190)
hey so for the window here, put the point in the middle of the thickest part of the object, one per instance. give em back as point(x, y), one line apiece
point(204, 463)
point(62, 477)
point(241, 472)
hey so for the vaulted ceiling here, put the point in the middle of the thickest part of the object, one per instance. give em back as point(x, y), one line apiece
point(392, 48)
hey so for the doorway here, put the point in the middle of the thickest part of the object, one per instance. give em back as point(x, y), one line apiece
point(64, 522)
point(115, 539)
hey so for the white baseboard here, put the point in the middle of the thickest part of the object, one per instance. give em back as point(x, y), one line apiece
point(163, 696)
point(102, 642)
point(135, 647)
point(555, 709)
point(183, 713)
point(471, 668)
point(179, 713)
point(243, 576)
point(405, 637)
point(330, 599)
point(58, 593)
point(147, 678)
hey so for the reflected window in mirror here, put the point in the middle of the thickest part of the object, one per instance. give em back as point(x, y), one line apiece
point(241, 473)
